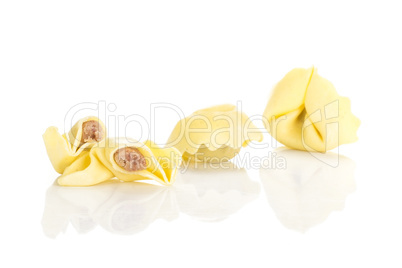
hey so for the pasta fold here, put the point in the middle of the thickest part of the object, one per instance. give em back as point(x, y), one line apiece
point(305, 112)
point(64, 149)
point(100, 164)
point(213, 134)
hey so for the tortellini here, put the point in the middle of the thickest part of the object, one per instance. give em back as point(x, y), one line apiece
point(64, 149)
point(126, 160)
point(306, 113)
point(84, 156)
point(213, 134)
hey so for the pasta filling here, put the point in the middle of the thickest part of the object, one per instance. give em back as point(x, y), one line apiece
point(130, 159)
point(92, 131)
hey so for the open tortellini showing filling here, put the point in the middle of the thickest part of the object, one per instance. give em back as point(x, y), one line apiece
point(213, 134)
point(305, 112)
point(127, 160)
point(64, 149)
point(130, 158)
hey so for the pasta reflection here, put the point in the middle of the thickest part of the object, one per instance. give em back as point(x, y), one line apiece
point(129, 208)
point(310, 187)
point(208, 194)
point(123, 208)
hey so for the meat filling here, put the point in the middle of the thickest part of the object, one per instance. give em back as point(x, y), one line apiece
point(130, 159)
point(92, 131)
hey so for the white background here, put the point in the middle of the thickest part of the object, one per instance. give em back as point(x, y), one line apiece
point(194, 54)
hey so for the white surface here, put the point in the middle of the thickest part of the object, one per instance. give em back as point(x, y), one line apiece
point(56, 54)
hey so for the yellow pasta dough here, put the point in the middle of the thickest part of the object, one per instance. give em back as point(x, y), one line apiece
point(100, 164)
point(306, 113)
point(86, 170)
point(64, 149)
point(213, 134)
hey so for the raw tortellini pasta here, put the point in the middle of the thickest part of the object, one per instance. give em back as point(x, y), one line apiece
point(64, 149)
point(306, 113)
point(126, 160)
point(213, 134)
point(84, 156)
